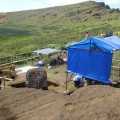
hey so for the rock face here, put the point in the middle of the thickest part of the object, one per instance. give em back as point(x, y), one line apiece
point(36, 78)
point(2, 18)
point(101, 4)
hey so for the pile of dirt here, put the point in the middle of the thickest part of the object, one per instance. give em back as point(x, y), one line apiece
point(87, 103)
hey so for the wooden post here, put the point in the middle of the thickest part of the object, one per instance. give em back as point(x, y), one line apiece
point(3, 82)
point(0, 82)
point(32, 60)
point(11, 59)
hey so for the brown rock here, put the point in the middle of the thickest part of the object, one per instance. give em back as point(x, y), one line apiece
point(36, 78)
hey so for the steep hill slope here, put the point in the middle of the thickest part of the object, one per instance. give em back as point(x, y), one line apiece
point(87, 103)
point(32, 29)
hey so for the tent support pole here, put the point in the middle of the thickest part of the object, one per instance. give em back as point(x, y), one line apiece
point(66, 79)
point(113, 70)
point(90, 44)
point(70, 77)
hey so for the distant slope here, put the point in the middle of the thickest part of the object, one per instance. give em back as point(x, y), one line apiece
point(33, 29)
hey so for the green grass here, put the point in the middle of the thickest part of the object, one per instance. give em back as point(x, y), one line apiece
point(54, 27)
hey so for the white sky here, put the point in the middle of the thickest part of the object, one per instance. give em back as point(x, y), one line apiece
point(18, 5)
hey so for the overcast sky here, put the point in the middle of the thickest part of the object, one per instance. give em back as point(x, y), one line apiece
point(19, 5)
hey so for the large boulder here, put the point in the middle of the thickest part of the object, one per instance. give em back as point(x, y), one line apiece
point(36, 78)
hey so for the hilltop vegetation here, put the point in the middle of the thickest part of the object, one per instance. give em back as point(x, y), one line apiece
point(56, 26)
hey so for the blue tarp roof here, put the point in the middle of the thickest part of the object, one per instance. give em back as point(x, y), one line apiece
point(107, 44)
point(92, 58)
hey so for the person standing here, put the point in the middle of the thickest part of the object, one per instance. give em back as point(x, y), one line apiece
point(87, 35)
point(102, 35)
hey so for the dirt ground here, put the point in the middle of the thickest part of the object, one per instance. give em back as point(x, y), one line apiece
point(95, 102)
point(87, 103)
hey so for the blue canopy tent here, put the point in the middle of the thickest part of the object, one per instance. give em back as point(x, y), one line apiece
point(92, 58)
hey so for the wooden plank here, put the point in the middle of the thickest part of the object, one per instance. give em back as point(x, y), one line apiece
point(115, 68)
point(116, 60)
point(4, 78)
point(9, 66)
point(8, 79)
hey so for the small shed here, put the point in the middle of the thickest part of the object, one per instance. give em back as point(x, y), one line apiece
point(92, 58)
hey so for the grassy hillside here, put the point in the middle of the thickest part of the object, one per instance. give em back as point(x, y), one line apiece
point(33, 29)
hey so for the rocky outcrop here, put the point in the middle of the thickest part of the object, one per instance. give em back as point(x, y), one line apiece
point(101, 4)
point(2, 18)
point(114, 10)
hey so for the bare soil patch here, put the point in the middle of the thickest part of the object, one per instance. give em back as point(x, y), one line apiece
point(87, 103)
